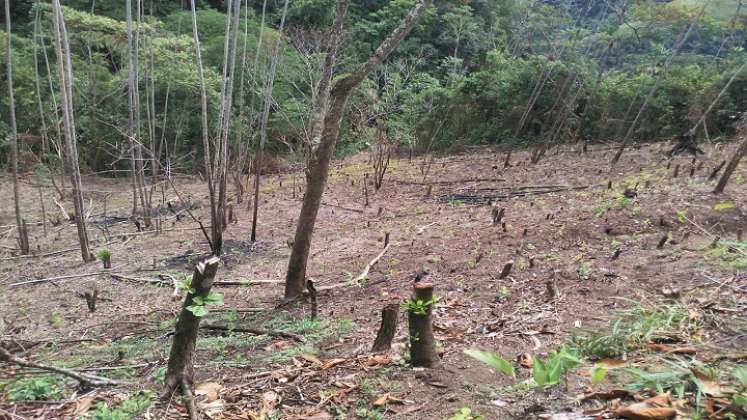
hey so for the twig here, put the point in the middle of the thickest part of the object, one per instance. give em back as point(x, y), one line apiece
point(342, 208)
point(364, 274)
point(71, 276)
point(89, 380)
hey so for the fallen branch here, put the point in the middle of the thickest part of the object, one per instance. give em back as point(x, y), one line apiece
point(247, 282)
point(446, 182)
point(48, 279)
point(84, 379)
point(342, 208)
point(364, 274)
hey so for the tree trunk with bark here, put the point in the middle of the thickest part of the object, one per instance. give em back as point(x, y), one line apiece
point(180, 371)
point(327, 130)
point(734, 162)
point(388, 328)
point(23, 237)
point(64, 67)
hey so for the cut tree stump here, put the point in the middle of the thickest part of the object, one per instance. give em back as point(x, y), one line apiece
point(387, 330)
point(91, 294)
point(506, 270)
point(180, 371)
point(422, 344)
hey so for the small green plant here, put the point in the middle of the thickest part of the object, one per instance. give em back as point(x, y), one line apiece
point(465, 413)
point(549, 371)
point(632, 329)
point(419, 306)
point(200, 303)
point(160, 374)
point(41, 388)
point(493, 360)
point(724, 205)
point(126, 410)
point(544, 372)
point(105, 255)
point(584, 270)
point(56, 319)
point(682, 216)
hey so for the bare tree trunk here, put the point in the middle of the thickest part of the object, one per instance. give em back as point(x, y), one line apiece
point(323, 147)
point(64, 67)
point(734, 162)
point(23, 237)
point(221, 151)
point(662, 74)
point(690, 135)
point(60, 149)
point(180, 371)
point(205, 128)
point(265, 118)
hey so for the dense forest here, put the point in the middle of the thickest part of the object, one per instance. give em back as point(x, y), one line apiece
point(480, 72)
point(225, 209)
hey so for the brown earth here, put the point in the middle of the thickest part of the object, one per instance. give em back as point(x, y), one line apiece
point(562, 226)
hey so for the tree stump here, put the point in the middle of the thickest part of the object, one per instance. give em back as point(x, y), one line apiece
point(422, 344)
point(90, 295)
point(180, 371)
point(388, 328)
point(506, 270)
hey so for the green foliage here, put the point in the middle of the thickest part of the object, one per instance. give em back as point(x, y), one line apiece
point(493, 360)
point(126, 410)
point(419, 306)
point(200, 303)
point(104, 254)
point(632, 329)
point(549, 371)
point(40, 388)
point(465, 413)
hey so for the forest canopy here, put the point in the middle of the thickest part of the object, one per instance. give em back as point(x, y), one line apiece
point(479, 72)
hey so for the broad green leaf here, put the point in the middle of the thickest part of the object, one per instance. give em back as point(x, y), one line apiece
point(741, 374)
point(214, 298)
point(197, 310)
point(493, 360)
point(597, 375)
point(539, 372)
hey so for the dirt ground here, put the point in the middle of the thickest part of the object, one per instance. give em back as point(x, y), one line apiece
point(587, 242)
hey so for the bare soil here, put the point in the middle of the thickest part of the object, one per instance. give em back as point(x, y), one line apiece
point(563, 225)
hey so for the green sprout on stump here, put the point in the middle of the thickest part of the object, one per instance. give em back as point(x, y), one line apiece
point(105, 255)
point(199, 303)
point(419, 306)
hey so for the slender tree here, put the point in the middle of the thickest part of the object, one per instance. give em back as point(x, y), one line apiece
point(662, 75)
point(267, 97)
point(327, 130)
point(23, 237)
point(64, 68)
point(738, 154)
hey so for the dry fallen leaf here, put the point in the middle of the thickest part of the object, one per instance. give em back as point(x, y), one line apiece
point(381, 401)
point(664, 348)
point(656, 408)
point(211, 409)
point(606, 395)
point(526, 360)
point(610, 363)
point(78, 407)
point(311, 358)
point(209, 389)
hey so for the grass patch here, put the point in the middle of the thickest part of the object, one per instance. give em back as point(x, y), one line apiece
point(634, 328)
point(728, 255)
